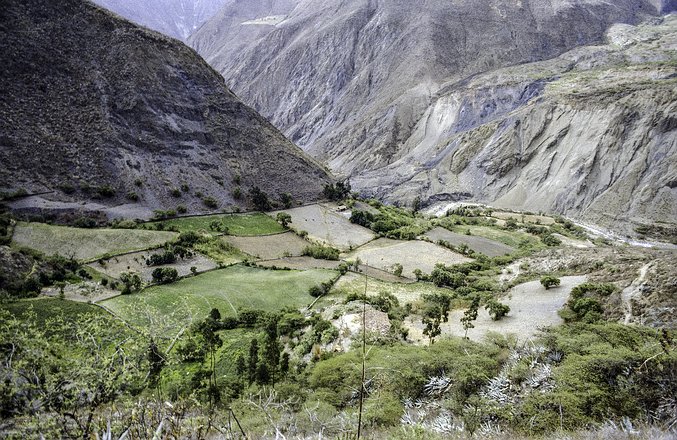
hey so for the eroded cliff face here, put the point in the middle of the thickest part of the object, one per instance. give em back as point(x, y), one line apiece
point(591, 134)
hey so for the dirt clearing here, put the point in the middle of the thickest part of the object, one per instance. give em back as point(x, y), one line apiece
point(385, 254)
point(483, 245)
point(270, 246)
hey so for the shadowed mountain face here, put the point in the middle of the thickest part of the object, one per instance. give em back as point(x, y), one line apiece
point(176, 18)
point(97, 107)
point(355, 82)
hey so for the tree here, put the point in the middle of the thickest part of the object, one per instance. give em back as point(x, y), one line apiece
point(287, 200)
point(253, 360)
point(259, 199)
point(470, 315)
point(550, 281)
point(155, 360)
point(416, 204)
point(398, 270)
point(496, 309)
point(271, 348)
point(283, 218)
point(165, 275)
point(432, 318)
point(131, 281)
point(550, 240)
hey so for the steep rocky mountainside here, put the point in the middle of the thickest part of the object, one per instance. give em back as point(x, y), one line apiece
point(372, 87)
point(95, 107)
point(176, 18)
point(591, 134)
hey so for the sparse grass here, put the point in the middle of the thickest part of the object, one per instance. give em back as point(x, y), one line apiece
point(353, 283)
point(86, 244)
point(226, 289)
point(246, 225)
point(46, 308)
point(510, 238)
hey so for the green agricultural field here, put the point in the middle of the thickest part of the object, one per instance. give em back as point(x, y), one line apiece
point(510, 238)
point(245, 225)
point(226, 289)
point(46, 308)
point(352, 283)
point(86, 244)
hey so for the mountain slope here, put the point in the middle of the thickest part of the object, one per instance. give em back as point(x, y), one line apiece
point(591, 134)
point(348, 79)
point(374, 87)
point(97, 107)
point(176, 18)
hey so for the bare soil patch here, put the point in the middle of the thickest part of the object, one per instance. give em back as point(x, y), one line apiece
point(270, 247)
point(136, 262)
point(326, 225)
point(299, 263)
point(384, 254)
point(524, 218)
point(531, 307)
point(483, 245)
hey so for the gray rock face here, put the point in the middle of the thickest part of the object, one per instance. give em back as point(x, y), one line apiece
point(591, 134)
point(95, 107)
point(176, 18)
point(377, 89)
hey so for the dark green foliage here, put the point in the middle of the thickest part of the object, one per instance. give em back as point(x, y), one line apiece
point(175, 192)
point(259, 199)
point(322, 252)
point(237, 193)
point(338, 191)
point(470, 315)
point(105, 191)
point(442, 277)
point(496, 309)
point(167, 257)
point(551, 240)
point(284, 219)
point(85, 222)
point(165, 275)
point(287, 200)
point(362, 218)
point(550, 281)
point(131, 282)
point(181, 209)
point(210, 202)
point(134, 197)
point(252, 360)
point(321, 289)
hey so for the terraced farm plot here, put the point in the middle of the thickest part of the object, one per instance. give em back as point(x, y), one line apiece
point(270, 247)
point(46, 308)
point(524, 218)
point(509, 238)
point(531, 307)
point(245, 225)
point(86, 244)
point(385, 253)
point(300, 263)
point(325, 225)
point(486, 246)
point(136, 262)
point(226, 289)
point(352, 283)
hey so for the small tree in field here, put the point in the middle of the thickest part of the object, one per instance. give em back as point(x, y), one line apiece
point(550, 281)
point(283, 218)
point(470, 315)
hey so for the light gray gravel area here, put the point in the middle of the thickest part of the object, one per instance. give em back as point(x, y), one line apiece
point(531, 308)
point(488, 247)
point(136, 262)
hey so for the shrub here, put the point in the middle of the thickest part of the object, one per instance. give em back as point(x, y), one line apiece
point(133, 196)
point(287, 200)
point(259, 199)
point(322, 252)
point(338, 191)
point(167, 257)
point(175, 192)
point(181, 209)
point(496, 309)
point(106, 191)
point(85, 222)
point(550, 240)
point(550, 281)
point(283, 218)
point(165, 275)
point(398, 269)
point(210, 202)
point(237, 193)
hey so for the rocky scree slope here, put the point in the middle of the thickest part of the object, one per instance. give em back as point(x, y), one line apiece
point(347, 80)
point(373, 87)
point(95, 107)
point(591, 134)
point(176, 18)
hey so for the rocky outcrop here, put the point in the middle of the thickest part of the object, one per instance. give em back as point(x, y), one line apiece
point(176, 18)
point(591, 134)
point(94, 107)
